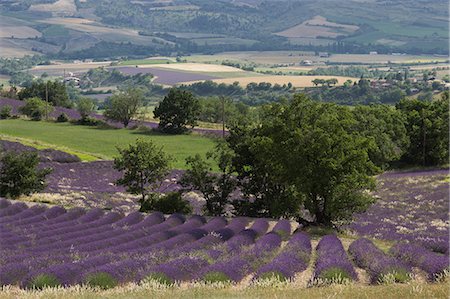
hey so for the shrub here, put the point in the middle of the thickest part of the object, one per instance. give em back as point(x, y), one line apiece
point(169, 203)
point(36, 109)
point(19, 174)
point(102, 280)
point(5, 112)
point(85, 107)
point(90, 121)
point(62, 118)
point(44, 281)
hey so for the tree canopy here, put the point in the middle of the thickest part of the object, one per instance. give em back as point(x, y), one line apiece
point(177, 110)
point(19, 174)
point(54, 91)
point(427, 124)
point(124, 105)
point(307, 154)
point(144, 167)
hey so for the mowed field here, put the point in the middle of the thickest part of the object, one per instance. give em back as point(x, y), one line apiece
point(269, 58)
point(103, 142)
point(296, 81)
point(318, 27)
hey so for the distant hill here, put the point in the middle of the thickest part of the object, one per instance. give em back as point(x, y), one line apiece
point(77, 29)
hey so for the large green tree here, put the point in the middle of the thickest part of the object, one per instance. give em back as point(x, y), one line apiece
point(308, 154)
point(19, 174)
point(216, 188)
point(385, 127)
point(53, 91)
point(427, 124)
point(177, 110)
point(144, 166)
point(124, 105)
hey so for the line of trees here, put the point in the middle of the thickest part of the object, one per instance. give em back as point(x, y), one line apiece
point(317, 156)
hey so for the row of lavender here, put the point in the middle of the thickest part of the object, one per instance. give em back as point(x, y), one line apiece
point(45, 155)
point(57, 247)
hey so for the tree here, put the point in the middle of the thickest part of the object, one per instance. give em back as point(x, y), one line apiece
point(5, 111)
point(427, 126)
point(318, 81)
point(385, 127)
point(36, 109)
point(216, 188)
point(85, 107)
point(51, 91)
point(332, 81)
point(144, 167)
point(123, 106)
point(19, 174)
point(177, 110)
point(309, 154)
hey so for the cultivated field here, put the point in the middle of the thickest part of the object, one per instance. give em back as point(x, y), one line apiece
point(318, 27)
point(198, 67)
point(103, 32)
point(101, 142)
point(268, 58)
point(58, 68)
point(19, 32)
point(107, 249)
point(296, 81)
point(10, 49)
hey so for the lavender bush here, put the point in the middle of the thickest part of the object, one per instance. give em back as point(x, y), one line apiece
point(432, 263)
point(381, 267)
point(332, 264)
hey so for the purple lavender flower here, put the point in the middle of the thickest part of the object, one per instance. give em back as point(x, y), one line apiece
point(293, 259)
point(415, 255)
point(181, 269)
point(366, 255)
point(332, 261)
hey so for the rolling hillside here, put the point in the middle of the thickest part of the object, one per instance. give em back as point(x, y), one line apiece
point(97, 29)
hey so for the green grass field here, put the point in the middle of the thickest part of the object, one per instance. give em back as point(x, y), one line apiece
point(89, 142)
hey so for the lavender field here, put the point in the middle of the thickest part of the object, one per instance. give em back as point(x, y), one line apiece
point(166, 77)
point(410, 206)
point(54, 246)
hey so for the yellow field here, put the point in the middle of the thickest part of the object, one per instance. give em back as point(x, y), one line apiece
point(19, 32)
point(9, 50)
point(196, 67)
point(101, 31)
point(71, 66)
point(297, 81)
point(318, 26)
